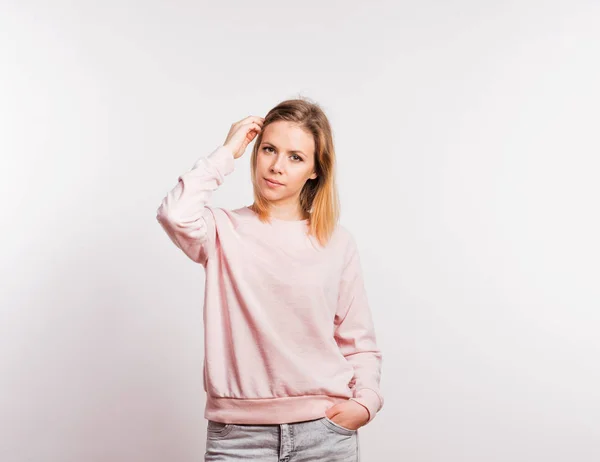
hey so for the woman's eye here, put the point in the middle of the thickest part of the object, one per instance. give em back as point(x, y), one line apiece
point(294, 156)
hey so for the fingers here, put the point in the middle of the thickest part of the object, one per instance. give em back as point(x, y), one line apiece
point(256, 119)
point(251, 126)
point(243, 132)
point(255, 125)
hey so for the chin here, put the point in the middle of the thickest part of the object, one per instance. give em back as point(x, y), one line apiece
point(270, 193)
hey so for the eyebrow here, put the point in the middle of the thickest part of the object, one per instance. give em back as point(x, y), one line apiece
point(293, 152)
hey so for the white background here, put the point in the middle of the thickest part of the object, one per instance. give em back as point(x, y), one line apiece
point(468, 142)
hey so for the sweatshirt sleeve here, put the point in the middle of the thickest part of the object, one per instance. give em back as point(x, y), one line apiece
point(355, 334)
point(183, 213)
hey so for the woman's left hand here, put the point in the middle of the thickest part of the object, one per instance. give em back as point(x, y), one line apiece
point(348, 414)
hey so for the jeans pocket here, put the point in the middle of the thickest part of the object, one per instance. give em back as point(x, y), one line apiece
point(337, 427)
point(217, 430)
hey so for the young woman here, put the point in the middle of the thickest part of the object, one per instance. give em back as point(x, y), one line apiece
point(291, 365)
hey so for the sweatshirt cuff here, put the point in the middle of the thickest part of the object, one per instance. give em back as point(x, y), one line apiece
point(370, 399)
point(222, 158)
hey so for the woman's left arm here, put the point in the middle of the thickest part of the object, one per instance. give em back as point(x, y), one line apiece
point(355, 334)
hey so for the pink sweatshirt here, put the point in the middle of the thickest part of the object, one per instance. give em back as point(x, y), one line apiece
point(287, 328)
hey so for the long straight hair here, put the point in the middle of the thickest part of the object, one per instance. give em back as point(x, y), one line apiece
point(319, 197)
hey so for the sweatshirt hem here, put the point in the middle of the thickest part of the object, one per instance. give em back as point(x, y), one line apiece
point(280, 410)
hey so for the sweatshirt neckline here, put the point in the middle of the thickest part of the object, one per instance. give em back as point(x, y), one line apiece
point(279, 220)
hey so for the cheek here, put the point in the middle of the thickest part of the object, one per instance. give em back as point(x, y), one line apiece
point(298, 180)
point(261, 165)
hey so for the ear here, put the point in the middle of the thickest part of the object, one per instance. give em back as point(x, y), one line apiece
point(313, 176)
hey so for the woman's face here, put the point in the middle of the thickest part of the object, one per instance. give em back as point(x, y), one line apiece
point(285, 155)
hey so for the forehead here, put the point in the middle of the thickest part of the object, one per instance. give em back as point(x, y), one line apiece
point(289, 137)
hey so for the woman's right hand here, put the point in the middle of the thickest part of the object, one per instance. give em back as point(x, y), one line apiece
point(242, 133)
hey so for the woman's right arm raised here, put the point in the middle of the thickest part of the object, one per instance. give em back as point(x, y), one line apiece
point(183, 213)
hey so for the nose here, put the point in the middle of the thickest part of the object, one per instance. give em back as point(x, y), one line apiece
point(277, 165)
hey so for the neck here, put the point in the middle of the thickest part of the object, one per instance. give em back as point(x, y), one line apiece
point(285, 213)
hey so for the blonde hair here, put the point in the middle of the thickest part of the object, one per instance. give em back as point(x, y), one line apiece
point(319, 197)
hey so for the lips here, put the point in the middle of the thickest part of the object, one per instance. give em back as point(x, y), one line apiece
point(273, 181)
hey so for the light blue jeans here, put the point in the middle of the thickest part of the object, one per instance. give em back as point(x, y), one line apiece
point(319, 440)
